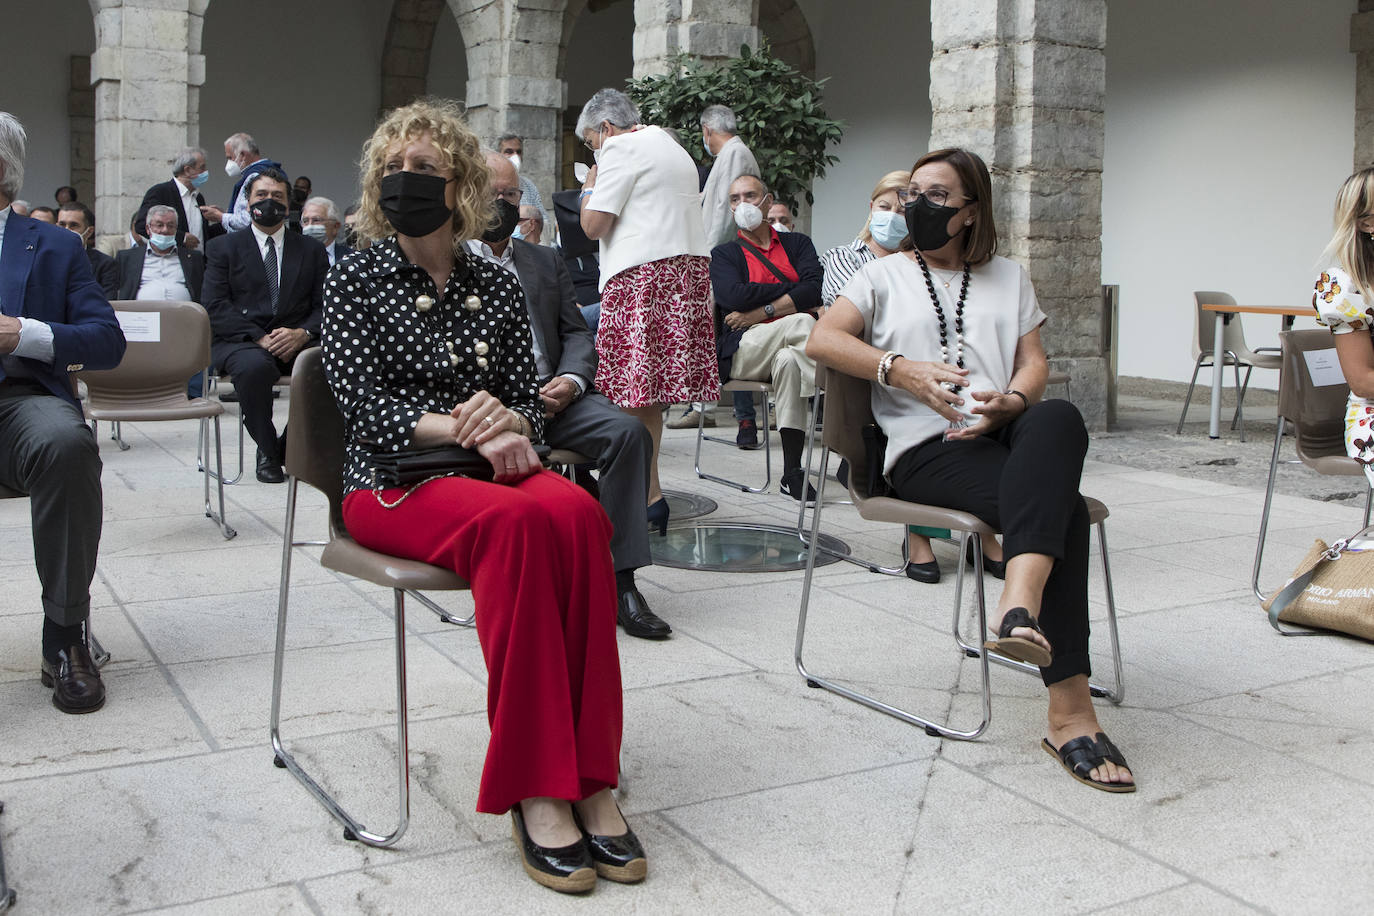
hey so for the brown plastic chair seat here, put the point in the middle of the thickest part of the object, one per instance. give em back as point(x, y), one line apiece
point(745, 384)
point(345, 555)
point(149, 409)
point(7, 493)
point(1057, 378)
point(566, 458)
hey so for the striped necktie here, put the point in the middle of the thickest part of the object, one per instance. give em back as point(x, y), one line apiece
point(269, 261)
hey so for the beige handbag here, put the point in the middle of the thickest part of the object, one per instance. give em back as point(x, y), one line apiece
point(1332, 589)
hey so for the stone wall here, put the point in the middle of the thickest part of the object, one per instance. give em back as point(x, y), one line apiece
point(1362, 45)
point(1022, 83)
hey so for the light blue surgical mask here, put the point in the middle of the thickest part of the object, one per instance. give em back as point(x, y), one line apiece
point(887, 228)
point(707, 147)
point(316, 232)
point(162, 242)
point(517, 234)
point(200, 179)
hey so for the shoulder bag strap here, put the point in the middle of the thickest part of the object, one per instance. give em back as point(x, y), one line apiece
point(772, 268)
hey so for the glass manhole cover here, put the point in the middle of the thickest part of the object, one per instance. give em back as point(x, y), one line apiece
point(739, 548)
point(683, 505)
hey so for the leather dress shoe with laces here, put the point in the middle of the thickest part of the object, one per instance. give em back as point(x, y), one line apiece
point(269, 469)
point(75, 679)
point(636, 619)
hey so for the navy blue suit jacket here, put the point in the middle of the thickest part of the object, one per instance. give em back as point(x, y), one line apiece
point(45, 275)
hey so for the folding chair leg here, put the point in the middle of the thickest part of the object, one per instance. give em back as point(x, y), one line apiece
point(1116, 693)
point(443, 615)
point(7, 894)
point(1241, 388)
point(99, 655)
point(117, 435)
point(239, 476)
point(218, 474)
point(870, 565)
point(1192, 383)
point(353, 830)
point(1264, 516)
point(767, 453)
point(932, 728)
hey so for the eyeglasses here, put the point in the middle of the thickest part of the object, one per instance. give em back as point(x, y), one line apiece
point(935, 196)
point(510, 195)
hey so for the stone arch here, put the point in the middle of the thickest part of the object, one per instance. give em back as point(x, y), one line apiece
point(405, 53)
point(787, 30)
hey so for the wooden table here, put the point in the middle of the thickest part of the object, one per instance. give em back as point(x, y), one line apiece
point(1224, 312)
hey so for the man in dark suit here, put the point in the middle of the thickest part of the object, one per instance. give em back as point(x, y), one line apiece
point(181, 194)
point(264, 290)
point(579, 418)
point(55, 321)
point(162, 269)
point(79, 219)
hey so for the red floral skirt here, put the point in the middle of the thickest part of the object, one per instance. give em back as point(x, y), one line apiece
point(656, 342)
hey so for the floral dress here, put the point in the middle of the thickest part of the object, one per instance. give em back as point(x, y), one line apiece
point(1343, 308)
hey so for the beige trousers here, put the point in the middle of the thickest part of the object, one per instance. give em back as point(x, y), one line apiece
point(776, 352)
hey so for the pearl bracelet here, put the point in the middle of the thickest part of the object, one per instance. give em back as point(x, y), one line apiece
point(885, 365)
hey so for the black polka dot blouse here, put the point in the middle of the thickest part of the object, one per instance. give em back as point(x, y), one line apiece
point(394, 349)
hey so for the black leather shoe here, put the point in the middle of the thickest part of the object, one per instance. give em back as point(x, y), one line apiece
point(269, 469)
point(617, 858)
point(748, 435)
point(929, 573)
point(567, 869)
point(995, 568)
point(792, 485)
point(75, 679)
point(634, 616)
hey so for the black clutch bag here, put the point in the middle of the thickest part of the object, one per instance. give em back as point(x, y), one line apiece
point(409, 467)
point(875, 451)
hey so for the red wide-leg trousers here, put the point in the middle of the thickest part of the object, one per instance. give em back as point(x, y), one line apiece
point(537, 555)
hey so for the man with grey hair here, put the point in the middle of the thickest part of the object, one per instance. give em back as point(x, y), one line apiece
point(512, 146)
point(320, 221)
point(531, 226)
point(56, 321)
point(732, 160)
point(182, 194)
point(243, 160)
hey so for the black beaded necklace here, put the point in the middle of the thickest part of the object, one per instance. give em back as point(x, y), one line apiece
point(940, 316)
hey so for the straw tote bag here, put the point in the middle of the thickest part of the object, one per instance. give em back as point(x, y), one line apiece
point(1332, 589)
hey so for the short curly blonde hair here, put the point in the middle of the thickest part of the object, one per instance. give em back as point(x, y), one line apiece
point(442, 119)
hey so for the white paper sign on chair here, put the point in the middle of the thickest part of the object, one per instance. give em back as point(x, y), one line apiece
point(1324, 368)
point(141, 327)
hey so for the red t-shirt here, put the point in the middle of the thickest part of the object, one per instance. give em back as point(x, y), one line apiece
point(776, 256)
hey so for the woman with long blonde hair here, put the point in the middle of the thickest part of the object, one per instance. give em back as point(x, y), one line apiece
point(426, 344)
point(1344, 300)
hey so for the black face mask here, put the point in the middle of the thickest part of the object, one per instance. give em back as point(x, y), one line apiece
point(507, 216)
point(929, 224)
point(268, 213)
point(349, 237)
point(299, 196)
point(414, 203)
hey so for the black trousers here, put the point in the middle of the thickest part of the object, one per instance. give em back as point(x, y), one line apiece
point(255, 371)
point(1022, 480)
point(48, 452)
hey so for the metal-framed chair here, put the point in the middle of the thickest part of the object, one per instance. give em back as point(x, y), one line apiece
point(731, 386)
point(1315, 415)
point(1057, 377)
point(847, 411)
point(315, 456)
point(149, 384)
point(7, 894)
point(211, 386)
point(1234, 352)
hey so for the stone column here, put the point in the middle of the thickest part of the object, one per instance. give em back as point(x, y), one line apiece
point(707, 29)
point(1362, 46)
point(513, 49)
point(1023, 84)
point(147, 71)
point(81, 117)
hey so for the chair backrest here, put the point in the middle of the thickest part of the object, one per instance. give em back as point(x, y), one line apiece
point(315, 451)
point(1317, 412)
point(1205, 324)
point(848, 409)
point(168, 342)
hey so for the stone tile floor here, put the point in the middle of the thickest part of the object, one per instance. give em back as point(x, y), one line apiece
point(752, 793)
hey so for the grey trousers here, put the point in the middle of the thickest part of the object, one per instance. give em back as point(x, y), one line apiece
point(623, 451)
point(48, 452)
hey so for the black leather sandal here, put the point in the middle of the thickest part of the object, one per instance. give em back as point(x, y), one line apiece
point(1086, 753)
point(1017, 647)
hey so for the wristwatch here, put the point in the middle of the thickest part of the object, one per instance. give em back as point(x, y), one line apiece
point(768, 310)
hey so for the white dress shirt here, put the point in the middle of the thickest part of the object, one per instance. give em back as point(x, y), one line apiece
point(195, 224)
point(279, 239)
point(35, 337)
point(163, 277)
